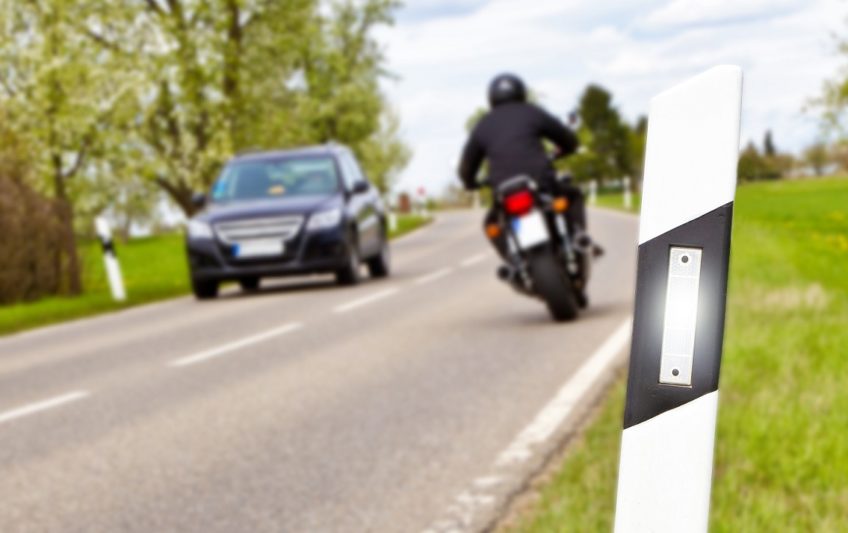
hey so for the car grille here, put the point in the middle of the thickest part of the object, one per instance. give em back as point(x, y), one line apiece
point(283, 228)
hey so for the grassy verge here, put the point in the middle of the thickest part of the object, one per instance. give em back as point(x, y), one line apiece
point(616, 201)
point(154, 269)
point(781, 454)
point(408, 223)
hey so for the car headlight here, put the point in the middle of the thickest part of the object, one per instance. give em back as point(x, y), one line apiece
point(199, 230)
point(325, 219)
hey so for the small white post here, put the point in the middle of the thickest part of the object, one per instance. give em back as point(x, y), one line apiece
point(423, 202)
point(110, 260)
point(475, 199)
point(628, 196)
point(390, 213)
point(593, 192)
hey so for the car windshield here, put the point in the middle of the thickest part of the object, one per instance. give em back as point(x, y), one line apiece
point(277, 178)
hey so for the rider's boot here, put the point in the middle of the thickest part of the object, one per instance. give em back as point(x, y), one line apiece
point(586, 243)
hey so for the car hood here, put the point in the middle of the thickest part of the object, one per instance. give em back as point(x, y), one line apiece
point(269, 207)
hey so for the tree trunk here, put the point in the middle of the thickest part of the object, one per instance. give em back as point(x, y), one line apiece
point(69, 239)
point(181, 194)
point(69, 246)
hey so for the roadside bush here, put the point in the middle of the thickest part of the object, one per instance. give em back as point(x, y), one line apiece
point(30, 234)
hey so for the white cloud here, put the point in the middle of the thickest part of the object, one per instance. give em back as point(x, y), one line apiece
point(636, 50)
point(699, 12)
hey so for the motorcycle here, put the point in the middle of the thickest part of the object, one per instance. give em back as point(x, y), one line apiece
point(544, 257)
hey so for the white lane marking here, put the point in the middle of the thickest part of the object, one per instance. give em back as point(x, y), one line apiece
point(371, 298)
point(43, 405)
point(473, 260)
point(433, 276)
point(232, 346)
point(460, 516)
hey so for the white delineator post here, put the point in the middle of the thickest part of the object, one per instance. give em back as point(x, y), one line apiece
point(593, 192)
point(390, 213)
point(110, 260)
point(665, 473)
point(628, 197)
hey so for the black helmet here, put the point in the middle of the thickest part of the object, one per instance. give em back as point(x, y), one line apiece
point(506, 88)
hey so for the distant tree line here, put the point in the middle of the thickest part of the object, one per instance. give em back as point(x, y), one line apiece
point(114, 103)
point(611, 148)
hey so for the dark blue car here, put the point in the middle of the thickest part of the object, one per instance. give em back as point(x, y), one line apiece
point(292, 212)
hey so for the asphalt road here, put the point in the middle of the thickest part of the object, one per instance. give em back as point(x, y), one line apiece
point(386, 407)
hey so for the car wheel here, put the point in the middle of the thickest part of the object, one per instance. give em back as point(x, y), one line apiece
point(249, 284)
point(380, 265)
point(204, 290)
point(349, 274)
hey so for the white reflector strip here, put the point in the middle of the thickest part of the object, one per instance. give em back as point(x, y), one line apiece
point(681, 316)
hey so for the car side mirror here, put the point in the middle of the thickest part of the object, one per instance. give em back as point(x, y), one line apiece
point(361, 187)
point(198, 200)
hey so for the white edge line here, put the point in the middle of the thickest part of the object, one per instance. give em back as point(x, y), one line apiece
point(461, 513)
point(433, 276)
point(371, 298)
point(232, 346)
point(568, 396)
point(43, 405)
point(473, 260)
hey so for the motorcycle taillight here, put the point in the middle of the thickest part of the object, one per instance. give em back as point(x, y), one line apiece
point(518, 203)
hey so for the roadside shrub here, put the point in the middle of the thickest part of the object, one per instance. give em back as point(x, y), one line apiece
point(30, 234)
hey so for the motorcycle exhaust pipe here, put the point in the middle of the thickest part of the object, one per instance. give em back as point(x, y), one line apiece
point(511, 277)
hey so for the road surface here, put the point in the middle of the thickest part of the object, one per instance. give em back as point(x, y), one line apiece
point(415, 403)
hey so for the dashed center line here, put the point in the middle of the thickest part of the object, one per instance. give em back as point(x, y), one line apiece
point(232, 346)
point(371, 298)
point(433, 276)
point(473, 260)
point(44, 405)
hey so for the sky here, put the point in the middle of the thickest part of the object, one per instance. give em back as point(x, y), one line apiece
point(444, 52)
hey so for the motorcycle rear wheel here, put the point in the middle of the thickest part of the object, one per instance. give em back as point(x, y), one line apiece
point(551, 282)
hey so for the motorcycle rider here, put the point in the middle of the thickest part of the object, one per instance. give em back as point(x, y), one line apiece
point(510, 137)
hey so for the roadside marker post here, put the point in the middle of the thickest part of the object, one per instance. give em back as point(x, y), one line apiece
point(665, 470)
point(628, 196)
point(393, 225)
point(110, 260)
point(593, 192)
point(390, 213)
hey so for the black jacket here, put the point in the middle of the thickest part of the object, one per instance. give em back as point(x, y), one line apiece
point(510, 137)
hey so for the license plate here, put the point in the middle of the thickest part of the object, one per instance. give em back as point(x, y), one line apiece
point(258, 248)
point(530, 230)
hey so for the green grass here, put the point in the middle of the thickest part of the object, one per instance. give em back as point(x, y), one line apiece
point(407, 223)
point(616, 201)
point(782, 442)
point(154, 268)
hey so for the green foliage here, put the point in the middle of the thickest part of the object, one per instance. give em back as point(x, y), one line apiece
point(605, 136)
point(781, 460)
point(817, 157)
point(769, 149)
point(756, 166)
point(114, 96)
point(383, 153)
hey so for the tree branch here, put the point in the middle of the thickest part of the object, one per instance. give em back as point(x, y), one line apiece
point(11, 91)
point(155, 7)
